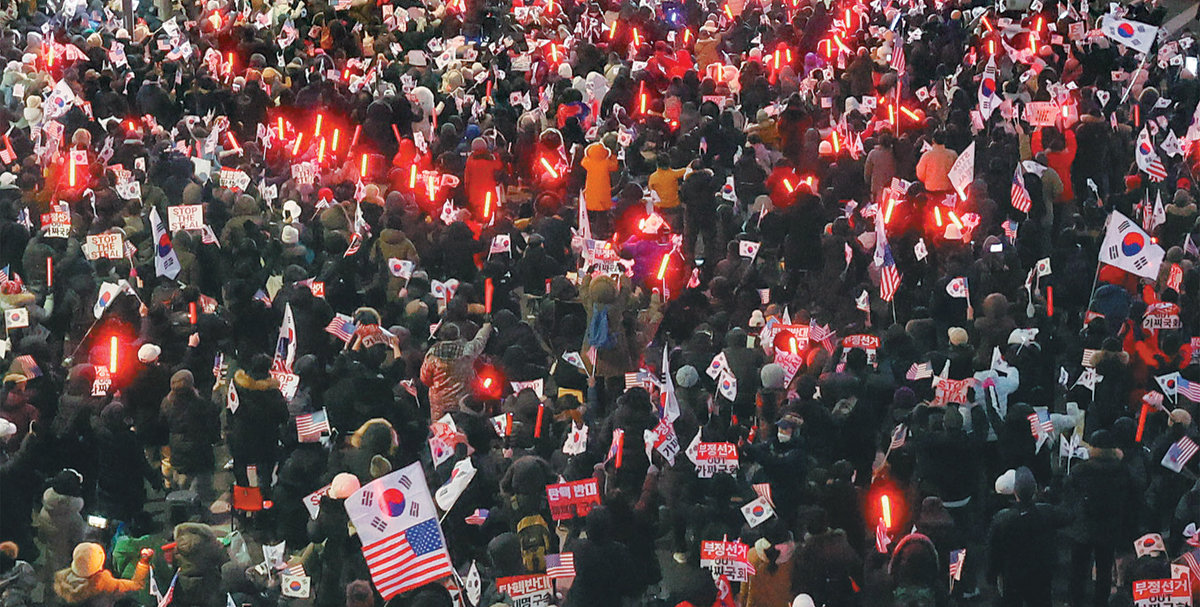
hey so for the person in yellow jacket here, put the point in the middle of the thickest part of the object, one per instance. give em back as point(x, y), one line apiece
point(600, 163)
point(665, 183)
point(86, 578)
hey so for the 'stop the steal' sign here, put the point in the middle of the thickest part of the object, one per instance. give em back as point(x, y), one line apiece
point(186, 217)
point(568, 500)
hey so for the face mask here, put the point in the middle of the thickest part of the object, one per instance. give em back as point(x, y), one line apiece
point(784, 437)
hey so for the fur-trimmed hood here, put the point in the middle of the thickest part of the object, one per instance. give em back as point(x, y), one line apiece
point(244, 382)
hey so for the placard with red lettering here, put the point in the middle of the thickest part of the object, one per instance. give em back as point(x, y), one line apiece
point(1163, 593)
point(57, 224)
point(569, 500)
point(186, 217)
point(714, 458)
point(105, 246)
point(527, 590)
point(950, 390)
point(866, 343)
point(1161, 315)
point(726, 558)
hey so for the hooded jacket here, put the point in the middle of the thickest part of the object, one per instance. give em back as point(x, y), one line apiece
point(254, 427)
point(600, 163)
point(449, 371)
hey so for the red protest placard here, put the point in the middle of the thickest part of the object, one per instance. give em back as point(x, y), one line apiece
point(527, 590)
point(1163, 593)
point(569, 500)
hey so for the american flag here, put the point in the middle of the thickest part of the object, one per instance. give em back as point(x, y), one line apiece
point(1189, 390)
point(898, 61)
point(764, 491)
point(261, 295)
point(560, 566)
point(956, 563)
point(5, 274)
point(31, 367)
point(412, 558)
point(341, 327)
point(1181, 452)
point(882, 541)
point(919, 371)
point(1020, 195)
point(1040, 424)
point(823, 335)
point(1192, 560)
point(166, 599)
point(310, 426)
point(1155, 169)
point(355, 245)
point(889, 276)
point(478, 517)
point(297, 569)
point(638, 379)
point(899, 435)
point(1010, 230)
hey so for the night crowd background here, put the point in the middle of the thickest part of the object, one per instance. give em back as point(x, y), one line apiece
point(822, 280)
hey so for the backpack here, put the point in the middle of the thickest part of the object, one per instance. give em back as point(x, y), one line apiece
point(535, 540)
point(598, 333)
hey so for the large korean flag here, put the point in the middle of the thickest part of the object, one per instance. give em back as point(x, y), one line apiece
point(390, 504)
point(1127, 247)
point(1134, 34)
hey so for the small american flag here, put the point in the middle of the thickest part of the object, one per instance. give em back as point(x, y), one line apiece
point(1020, 195)
point(559, 566)
point(1010, 230)
point(31, 367)
point(478, 517)
point(170, 595)
point(297, 569)
point(899, 435)
point(889, 276)
point(1155, 170)
point(919, 371)
point(1192, 560)
point(1040, 424)
point(1188, 389)
point(956, 563)
point(764, 491)
point(882, 541)
point(341, 327)
point(355, 245)
point(5, 274)
point(310, 426)
point(1180, 453)
point(261, 295)
point(823, 335)
point(638, 379)
point(898, 61)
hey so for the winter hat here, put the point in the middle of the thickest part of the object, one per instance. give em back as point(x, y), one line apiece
point(68, 482)
point(958, 336)
point(1180, 417)
point(1005, 484)
point(773, 376)
point(803, 600)
point(7, 429)
point(343, 486)
point(686, 376)
point(148, 353)
point(10, 549)
point(1024, 485)
point(756, 319)
point(359, 594)
point(289, 235)
point(182, 380)
point(87, 559)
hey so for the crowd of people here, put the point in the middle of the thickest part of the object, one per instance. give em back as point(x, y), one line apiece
point(682, 303)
